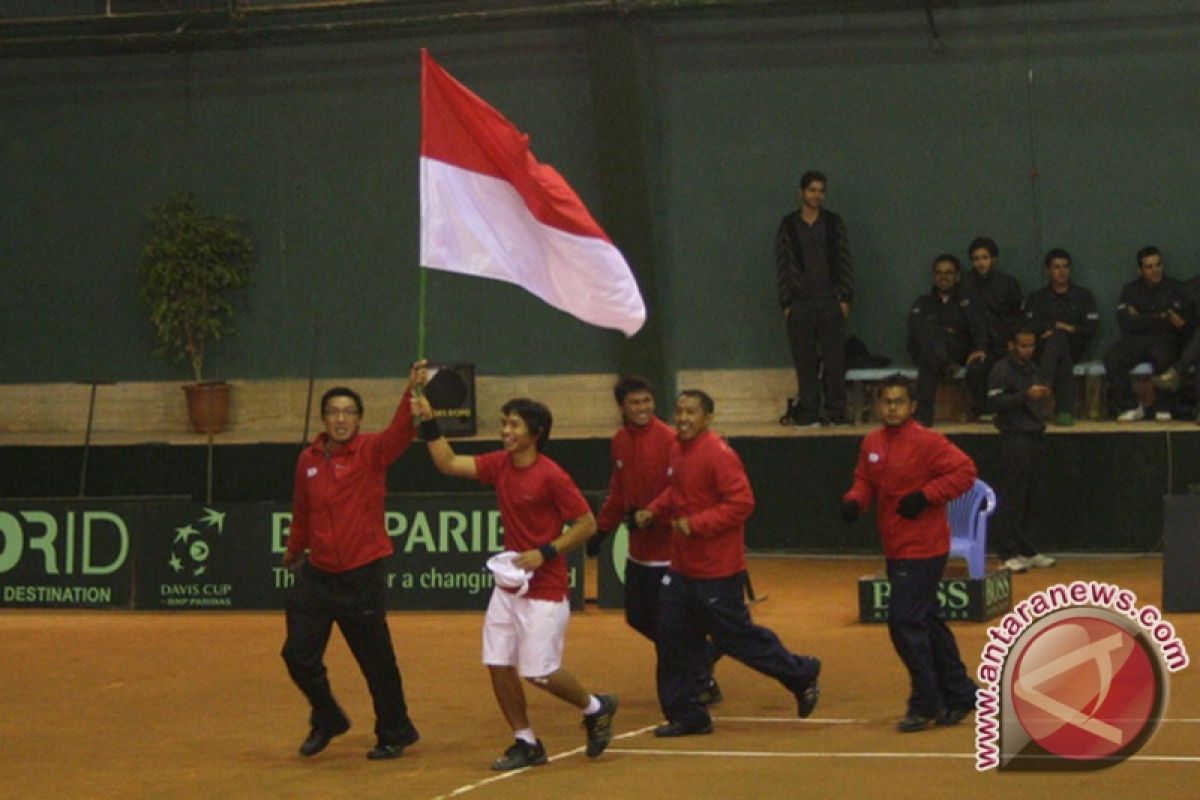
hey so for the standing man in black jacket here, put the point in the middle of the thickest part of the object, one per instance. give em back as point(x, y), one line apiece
point(815, 278)
point(1153, 312)
point(1063, 315)
point(942, 332)
point(996, 298)
point(1016, 389)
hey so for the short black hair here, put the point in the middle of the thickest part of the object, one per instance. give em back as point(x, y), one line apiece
point(1022, 328)
point(810, 176)
point(947, 257)
point(1058, 252)
point(986, 243)
point(894, 380)
point(1146, 252)
point(706, 401)
point(630, 384)
point(536, 416)
point(342, 391)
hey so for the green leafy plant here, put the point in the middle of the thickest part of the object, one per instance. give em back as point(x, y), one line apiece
point(189, 263)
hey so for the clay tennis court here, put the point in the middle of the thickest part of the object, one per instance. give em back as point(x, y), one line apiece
point(198, 705)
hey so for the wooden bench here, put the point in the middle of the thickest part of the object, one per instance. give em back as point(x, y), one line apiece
point(951, 404)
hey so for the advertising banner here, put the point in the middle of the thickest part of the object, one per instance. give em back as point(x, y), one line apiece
point(191, 556)
point(67, 554)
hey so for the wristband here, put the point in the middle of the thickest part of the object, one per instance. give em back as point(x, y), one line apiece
point(549, 552)
point(430, 430)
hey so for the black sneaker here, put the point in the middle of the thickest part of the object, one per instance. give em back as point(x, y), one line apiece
point(520, 755)
point(806, 700)
point(599, 725)
point(382, 751)
point(319, 738)
point(711, 696)
point(671, 730)
point(954, 715)
point(912, 723)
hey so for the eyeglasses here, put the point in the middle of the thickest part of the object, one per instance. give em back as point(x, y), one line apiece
point(341, 412)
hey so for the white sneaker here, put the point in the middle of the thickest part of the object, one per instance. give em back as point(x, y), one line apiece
point(1163, 416)
point(1017, 564)
point(1041, 560)
point(1132, 415)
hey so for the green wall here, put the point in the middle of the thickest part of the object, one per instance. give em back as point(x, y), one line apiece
point(685, 133)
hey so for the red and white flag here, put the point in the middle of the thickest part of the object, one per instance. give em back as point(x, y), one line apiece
point(488, 208)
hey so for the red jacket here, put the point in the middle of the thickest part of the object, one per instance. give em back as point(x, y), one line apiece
point(639, 474)
point(894, 462)
point(708, 485)
point(337, 504)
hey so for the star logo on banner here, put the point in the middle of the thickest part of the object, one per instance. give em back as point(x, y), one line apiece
point(193, 543)
point(182, 534)
point(213, 517)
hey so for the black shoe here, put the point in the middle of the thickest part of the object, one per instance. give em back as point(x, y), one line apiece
point(711, 696)
point(670, 730)
point(838, 422)
point(382, 751)
point(912, 723)
point(520, 755)
point(599, 725)
point(319, 738)
point(806, 700)
point(954, 715)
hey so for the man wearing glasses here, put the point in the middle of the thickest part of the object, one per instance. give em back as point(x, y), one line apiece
point(337, 517)
point(943, 331)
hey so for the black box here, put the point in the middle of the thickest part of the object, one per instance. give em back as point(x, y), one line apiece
point(451, 392)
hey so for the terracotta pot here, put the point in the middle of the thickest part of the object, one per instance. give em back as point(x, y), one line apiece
point(208, 402)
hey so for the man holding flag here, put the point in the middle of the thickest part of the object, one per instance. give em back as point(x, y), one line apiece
point(524, 632)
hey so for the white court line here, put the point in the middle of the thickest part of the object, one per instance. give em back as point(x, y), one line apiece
point(764, 754)
point(768, 754)
point(506, 775)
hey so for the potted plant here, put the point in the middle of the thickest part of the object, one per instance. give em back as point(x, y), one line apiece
point(189, 263)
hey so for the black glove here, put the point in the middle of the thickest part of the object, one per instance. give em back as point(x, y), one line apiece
point(911, 505)
point(850, 511)
point(592, 548)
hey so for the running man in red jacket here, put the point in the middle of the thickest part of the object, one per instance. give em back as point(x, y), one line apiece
point(524, 634)
point(639, 452)
point(337, 517)
point(708, 501)
point(911, 473)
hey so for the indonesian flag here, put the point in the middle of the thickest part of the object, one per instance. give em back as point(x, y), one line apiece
point(488, 208)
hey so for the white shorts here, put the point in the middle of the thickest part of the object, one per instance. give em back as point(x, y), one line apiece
point(524, 633)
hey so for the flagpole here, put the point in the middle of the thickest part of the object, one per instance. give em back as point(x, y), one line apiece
point(421, 314)
point(421, 282)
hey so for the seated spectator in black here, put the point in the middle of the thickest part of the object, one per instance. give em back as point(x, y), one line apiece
point(1064, 318)
point(942, 332)
point(996, 299)
point(1172, 379)
point(1153, 312)
point(1016, 391)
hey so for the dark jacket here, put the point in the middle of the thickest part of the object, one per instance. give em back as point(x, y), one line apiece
point(953, 318)
point(1076, 306)
point(996, 298)
point(1008, 383)
point(789, 263)
point(1143, 308)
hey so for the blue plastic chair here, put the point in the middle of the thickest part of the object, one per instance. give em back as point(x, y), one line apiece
point(968, 514)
